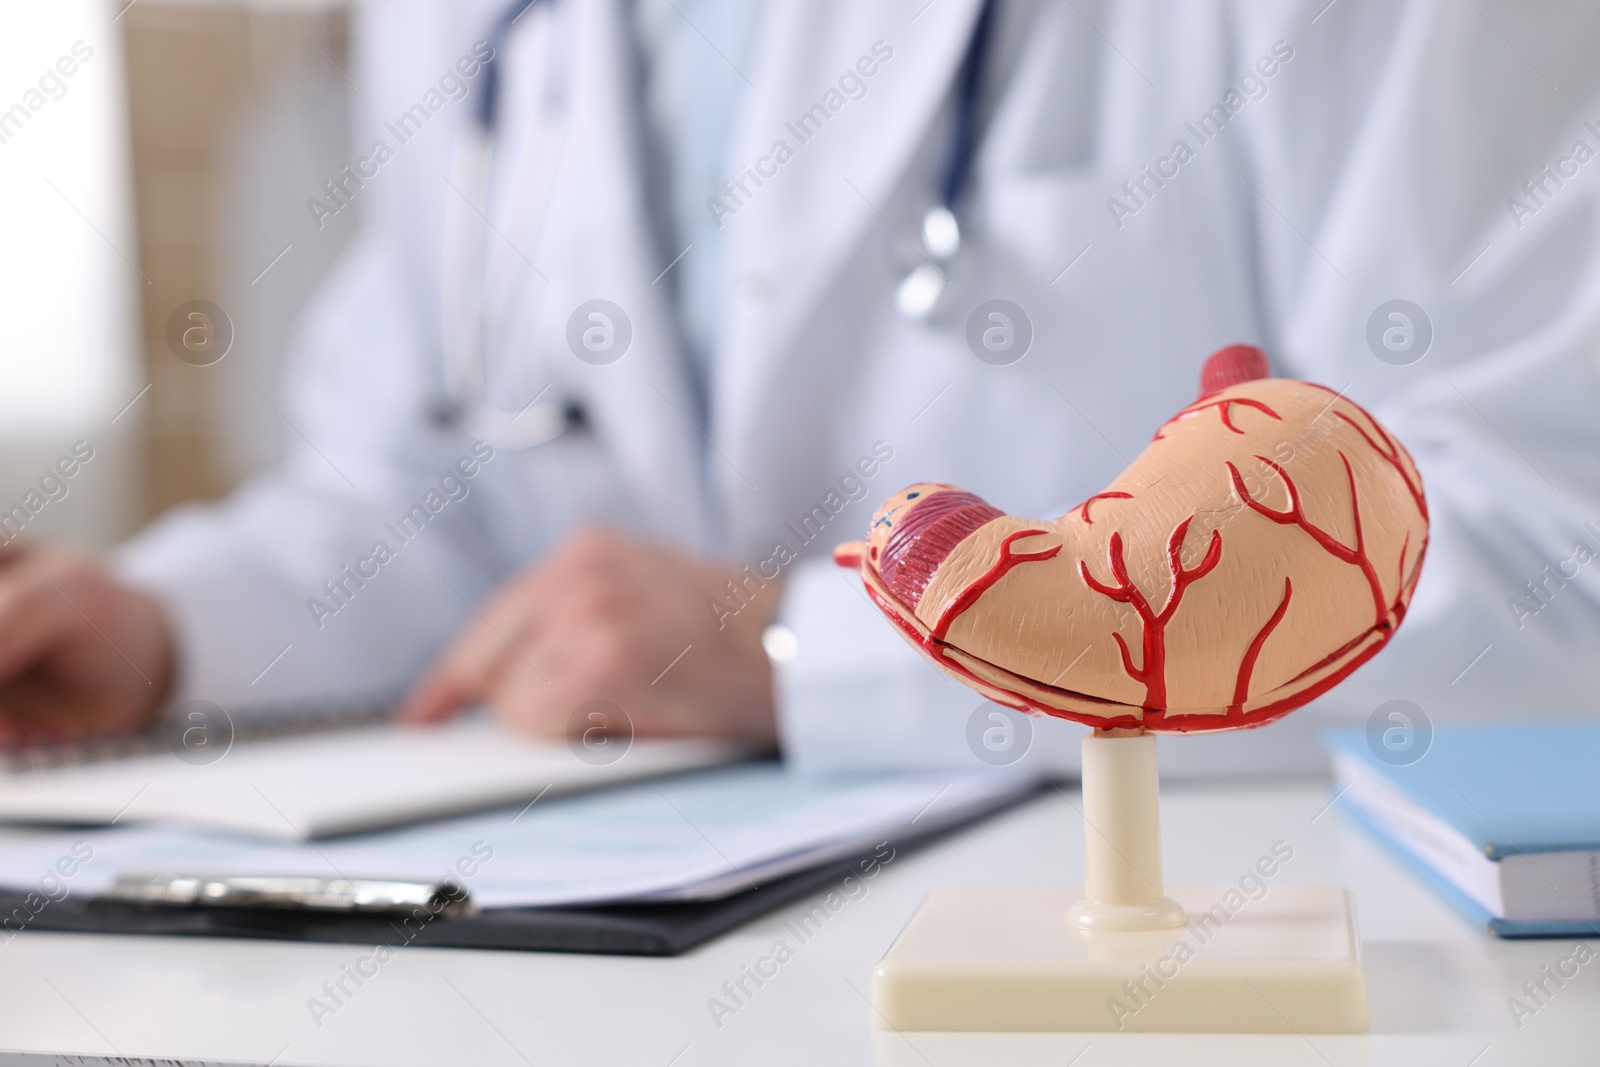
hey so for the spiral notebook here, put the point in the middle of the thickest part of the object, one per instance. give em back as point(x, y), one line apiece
point(317, 782)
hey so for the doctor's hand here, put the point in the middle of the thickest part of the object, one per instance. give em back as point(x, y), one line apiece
point(607, 616)
point(81, 655)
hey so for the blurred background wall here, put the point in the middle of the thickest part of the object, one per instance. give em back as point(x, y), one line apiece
point(172, 165)
point(70, 277)
point(238, 114)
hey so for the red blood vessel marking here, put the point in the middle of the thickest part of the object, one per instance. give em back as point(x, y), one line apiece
point(1083, 508)
point(1153, 671)
point(1391, 455)
point(1153, 719)
point(1405, 544)
point(1247, 666)
point(971, 593)
point(1354, 554)
point(1224, 408)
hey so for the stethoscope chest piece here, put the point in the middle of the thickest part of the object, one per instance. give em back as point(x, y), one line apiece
point(921, 290)
point(924, 286)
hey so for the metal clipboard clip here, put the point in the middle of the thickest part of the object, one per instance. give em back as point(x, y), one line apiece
point(443, 899)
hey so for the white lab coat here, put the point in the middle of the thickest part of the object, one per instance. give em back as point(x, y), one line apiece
point(1377, 165)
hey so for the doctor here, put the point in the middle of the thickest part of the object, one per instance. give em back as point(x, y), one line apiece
point(649, 311)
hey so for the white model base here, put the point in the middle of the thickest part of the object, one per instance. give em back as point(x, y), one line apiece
point(1006, 958)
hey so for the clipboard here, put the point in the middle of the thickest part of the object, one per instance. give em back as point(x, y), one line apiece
point(649, 929)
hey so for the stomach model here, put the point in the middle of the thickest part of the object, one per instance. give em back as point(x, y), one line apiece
point(1262, 548)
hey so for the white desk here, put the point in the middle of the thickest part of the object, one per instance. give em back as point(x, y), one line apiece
point(1438, 988)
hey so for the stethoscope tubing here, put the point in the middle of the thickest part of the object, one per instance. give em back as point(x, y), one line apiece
point(545, 420)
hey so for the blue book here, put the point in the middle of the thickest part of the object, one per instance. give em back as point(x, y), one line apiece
point(1503, 821)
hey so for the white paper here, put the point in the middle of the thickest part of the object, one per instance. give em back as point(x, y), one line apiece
point(699, 836)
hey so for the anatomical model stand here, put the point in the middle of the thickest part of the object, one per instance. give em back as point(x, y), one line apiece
point(1263, 547)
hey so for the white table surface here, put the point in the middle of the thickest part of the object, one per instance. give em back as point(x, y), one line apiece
point(1438, 987)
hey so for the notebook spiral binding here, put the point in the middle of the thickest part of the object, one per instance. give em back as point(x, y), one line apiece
point(246, 725)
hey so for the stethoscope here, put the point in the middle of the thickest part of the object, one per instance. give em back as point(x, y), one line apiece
point(465, 250)
point(924, 286)
point(466, 233)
